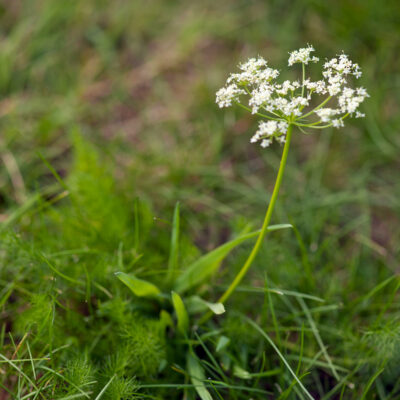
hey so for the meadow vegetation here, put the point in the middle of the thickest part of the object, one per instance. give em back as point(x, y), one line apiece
point(129, 202)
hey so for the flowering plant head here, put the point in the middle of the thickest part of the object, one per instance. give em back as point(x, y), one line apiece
point(288, 103)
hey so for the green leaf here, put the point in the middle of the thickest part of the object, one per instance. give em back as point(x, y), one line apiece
point(196, 304)
point(181, 313)
point(241, 373)
point(216, 308)
point(174, 248)
point(166, 319)
point(139, 287)
point(197, 376)
point(278, 227)
point(223, 341)
point(206, 265)
point(136, 231)
point(370, 383)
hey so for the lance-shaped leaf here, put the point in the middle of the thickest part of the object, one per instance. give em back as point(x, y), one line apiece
point(181, 313)
point(139, 287)
point(196, 304)
point(206, 265)
point(222, 343)
point(197, 376)
point(165, 320)
point(241, 373)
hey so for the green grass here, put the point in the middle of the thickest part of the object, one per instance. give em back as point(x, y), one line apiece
point(108, 119)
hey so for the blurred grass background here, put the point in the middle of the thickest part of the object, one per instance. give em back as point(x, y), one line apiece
point(138, 80)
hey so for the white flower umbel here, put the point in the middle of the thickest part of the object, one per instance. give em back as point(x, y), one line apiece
point(289, 103)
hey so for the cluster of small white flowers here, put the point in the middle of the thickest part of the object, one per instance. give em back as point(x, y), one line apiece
point(286, 103)
point(283, 89)
point(270, 130)
point(254, 72)
point(350, 99)
point(337, 123)
point(302, 56)
point(317, 87)
point(291, 107)
point(227, 94)
point(261, 95)
point(326, 114)
point(336, 70)
point(341, 65)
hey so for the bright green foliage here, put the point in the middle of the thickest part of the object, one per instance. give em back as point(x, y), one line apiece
point(145, 346)
point(37, 316)
point(122, 388)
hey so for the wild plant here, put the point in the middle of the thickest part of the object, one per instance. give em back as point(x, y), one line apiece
point(303, 104)
point(287, 105)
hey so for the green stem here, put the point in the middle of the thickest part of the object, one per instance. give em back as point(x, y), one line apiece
point(312, 126)
point(316, 108)
point(257, 113)
point(264, 228)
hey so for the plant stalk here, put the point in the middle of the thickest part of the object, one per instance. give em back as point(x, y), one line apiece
point(264, 228)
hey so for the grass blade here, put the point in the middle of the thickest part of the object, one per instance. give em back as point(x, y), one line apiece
point(318, 337)
point(104, 388)
point(370, 382)
point(269, 340)
point(174, 247)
